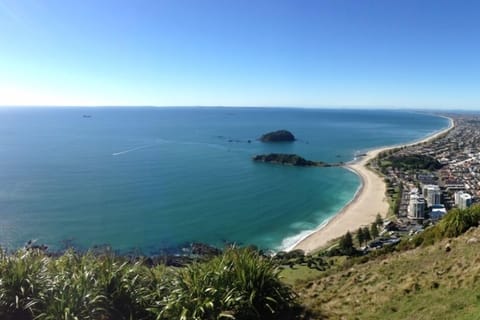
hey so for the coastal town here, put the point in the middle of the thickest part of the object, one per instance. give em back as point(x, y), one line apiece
point(410, 186)
point(425, 180)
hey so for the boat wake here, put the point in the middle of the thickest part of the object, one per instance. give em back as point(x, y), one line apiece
point(133, 149)
point(184, 143)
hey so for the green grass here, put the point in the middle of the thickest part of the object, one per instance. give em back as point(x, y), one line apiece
point(423, 283)
point(385, 163)
point(448, 304)
point(293, 275)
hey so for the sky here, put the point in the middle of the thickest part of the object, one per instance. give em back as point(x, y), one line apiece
point(305, 53)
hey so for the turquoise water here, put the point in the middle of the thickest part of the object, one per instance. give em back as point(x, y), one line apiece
point(156, 178)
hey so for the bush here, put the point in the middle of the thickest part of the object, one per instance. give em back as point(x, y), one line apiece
point(23, 281)
point(457, 221)
point(453, 224)
point(240, 284)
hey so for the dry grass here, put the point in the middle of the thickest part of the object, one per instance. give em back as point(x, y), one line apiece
point(424, 283)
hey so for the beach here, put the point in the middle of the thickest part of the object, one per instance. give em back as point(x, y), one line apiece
point(368, 201)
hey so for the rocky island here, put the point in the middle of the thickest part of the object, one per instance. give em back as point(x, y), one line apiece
point(278, 136)
point(289, 159)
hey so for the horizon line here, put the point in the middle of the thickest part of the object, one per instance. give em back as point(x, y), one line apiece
point(365, 107)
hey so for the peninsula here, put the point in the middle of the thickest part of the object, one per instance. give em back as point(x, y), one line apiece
point(289, 159)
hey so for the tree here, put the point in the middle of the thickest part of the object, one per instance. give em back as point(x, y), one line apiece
point(366, 234)
point(374, 230)
point(346, 244)
point(379, 220)
point(360, 236)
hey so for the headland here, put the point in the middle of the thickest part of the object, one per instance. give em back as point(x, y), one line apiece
point(290, 160)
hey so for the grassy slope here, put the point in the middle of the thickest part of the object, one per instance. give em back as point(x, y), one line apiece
point(425, 283)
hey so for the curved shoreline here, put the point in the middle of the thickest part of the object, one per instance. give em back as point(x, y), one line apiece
point(369, 199)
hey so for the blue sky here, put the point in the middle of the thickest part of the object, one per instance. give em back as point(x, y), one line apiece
point(241, 53)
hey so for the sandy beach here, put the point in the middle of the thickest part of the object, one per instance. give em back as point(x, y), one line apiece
point(369, 200)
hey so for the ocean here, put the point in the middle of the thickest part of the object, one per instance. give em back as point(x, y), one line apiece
point(155, 179)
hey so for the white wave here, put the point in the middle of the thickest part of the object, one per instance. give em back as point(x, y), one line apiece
point(290, 242)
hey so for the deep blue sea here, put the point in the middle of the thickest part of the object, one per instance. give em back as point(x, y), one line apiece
point(149, 179)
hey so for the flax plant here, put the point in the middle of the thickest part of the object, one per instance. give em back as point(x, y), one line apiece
point(74, 291)
point(23, 281)
point(240, 284)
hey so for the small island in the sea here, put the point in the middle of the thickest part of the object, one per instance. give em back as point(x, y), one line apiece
point(289, 159)
point(278, 136)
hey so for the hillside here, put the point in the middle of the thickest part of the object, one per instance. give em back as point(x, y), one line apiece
point(430, 282)
point(432, 275)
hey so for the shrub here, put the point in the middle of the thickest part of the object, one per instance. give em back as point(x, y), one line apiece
point(241, 284)
point(74, 290)
point(453, 224)
point(457, 221)
point(23, 281)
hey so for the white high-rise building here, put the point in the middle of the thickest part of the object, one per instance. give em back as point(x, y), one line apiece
point(416, 207)
point(463, 200)
point(432, 194)
point(457, 197)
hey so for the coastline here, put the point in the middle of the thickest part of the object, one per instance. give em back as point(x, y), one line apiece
point(369, 200)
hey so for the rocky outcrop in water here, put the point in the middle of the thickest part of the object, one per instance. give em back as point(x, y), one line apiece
point(288, 159)
point(278, 136)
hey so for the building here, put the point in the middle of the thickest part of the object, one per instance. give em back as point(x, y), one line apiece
point(427, 178)
point(432, 194)
point(437, 212)
point(453, 185)
point(416, 206)
point(463, 200)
